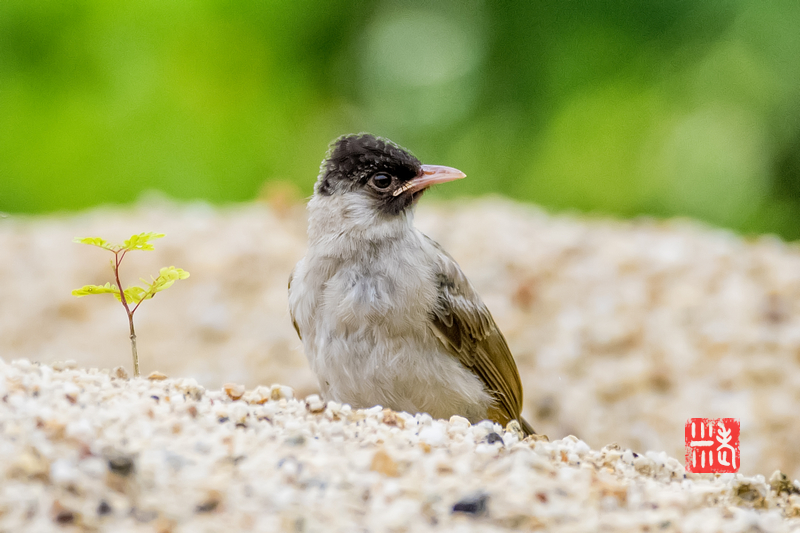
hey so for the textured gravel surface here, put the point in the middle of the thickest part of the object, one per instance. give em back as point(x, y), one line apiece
point(622, 330)
point(90, 450)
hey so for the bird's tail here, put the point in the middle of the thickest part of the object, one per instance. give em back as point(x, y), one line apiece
point(526, 428)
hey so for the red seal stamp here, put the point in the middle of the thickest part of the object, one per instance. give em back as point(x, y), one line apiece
point(712, 445)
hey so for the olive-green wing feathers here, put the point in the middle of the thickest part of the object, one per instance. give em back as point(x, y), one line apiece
point(469, 332)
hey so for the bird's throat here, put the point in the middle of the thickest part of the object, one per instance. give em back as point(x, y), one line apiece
point(349, 225)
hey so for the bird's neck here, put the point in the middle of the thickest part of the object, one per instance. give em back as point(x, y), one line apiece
point(344, 226)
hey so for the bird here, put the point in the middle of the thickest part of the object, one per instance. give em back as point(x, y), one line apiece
point(386, 316)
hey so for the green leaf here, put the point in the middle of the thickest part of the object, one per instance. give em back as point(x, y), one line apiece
point(96, 241)
point(96, 289)
point(166, 277)
point(141, 241)
point(136, 294)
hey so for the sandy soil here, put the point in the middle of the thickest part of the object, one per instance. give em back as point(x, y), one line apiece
point(622, 330)
point(94, 451)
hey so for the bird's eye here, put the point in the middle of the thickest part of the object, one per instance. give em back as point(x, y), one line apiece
point(381, 181)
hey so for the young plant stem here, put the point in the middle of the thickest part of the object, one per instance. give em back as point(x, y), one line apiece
point(133, 348)
point(117, 261)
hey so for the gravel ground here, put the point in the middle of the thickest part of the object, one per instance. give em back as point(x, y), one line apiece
point(90, 450)
point(621, 330)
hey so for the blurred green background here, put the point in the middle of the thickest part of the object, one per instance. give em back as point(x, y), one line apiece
point(663, 108)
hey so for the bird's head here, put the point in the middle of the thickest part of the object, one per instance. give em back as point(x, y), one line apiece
point(383, 176)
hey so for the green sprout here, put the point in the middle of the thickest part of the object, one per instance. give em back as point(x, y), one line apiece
point(132, 296)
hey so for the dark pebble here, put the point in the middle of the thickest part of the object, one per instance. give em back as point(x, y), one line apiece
point(65, 517)
point(104, 508)
point(121, 464)
point(493, 437)
point(474, 505)
point(207, 507)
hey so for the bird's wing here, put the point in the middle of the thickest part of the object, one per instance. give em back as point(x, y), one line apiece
point(468, 331)
point(291, 311)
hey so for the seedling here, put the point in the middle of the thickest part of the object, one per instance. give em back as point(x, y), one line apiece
point(132, 297)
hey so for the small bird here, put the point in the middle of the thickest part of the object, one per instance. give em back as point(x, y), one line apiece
point(385, 315)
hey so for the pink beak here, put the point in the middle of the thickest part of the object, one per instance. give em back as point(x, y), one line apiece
point(431, 175)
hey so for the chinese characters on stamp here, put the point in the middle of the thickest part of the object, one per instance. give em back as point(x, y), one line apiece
point(712, 445)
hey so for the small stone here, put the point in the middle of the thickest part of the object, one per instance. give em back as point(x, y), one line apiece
point(475, 505)
point(434, 434)
point(295, 440)
point(120, 464)
point(390, 418)
point(750, 494)
point(190, 388)
point(234, 390)
point(627, 457)
point(333, 410)
point(581, 448)
point(119, 373)
point(383, 463)
point(514, 428)
point(444, 468)
point(54, 429)
point(157, 376)
point(373, 411)
point(63, 471)
point(781, 484)
point(61, 515)
point(314, 404)
point(104, 508)
point(71, 392)
point(643, 465)
point(573, 459)
point(210, 503)
point(281, 392)
point(459, 424)
point(260, 395)
point(32, 465)
point(239, 412)
point(493, 438)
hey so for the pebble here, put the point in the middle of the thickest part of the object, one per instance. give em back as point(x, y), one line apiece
point(474, 505)
point(314, 404)
point(383, 463)
point(234, 390)
point(433, 434)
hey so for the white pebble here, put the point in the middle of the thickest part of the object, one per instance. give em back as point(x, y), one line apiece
point(434, 434)
point(62, 471)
